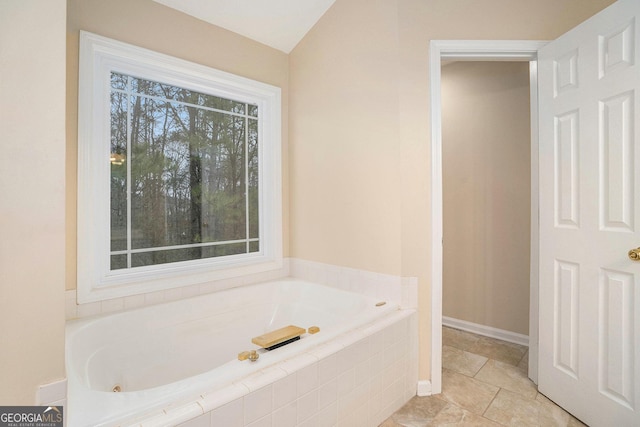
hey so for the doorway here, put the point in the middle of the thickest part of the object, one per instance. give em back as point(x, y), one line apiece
point(476, 51)
point(486, 156)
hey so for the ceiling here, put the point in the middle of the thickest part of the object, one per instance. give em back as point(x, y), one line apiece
point(280, 24)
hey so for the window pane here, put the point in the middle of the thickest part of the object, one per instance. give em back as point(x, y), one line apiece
point(186, 254)
point(254, 246)
point(153, 124)
point(118, 262)
point(187, 175)
point(188, 170)
point(151, 88)
point(118, 171)
point(253, 110)
point(118, 81)
point(254, 230)
point(224, 250)
point(221, 103)
point(164, 257)
point(223, 178)
point(147, 87)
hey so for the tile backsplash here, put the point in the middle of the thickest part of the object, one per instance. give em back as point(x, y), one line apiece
point(386, 287)
point(402, 290)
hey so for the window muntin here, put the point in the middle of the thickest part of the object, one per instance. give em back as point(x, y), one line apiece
point(113, 77)
point(184, 174)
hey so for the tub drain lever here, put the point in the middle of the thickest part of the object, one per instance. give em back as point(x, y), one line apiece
point(251, 355)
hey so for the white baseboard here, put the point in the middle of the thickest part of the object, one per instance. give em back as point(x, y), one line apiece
point(424, 388)
point(486, 331)
point(53, 394)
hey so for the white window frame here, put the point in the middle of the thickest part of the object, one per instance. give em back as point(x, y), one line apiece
point(99, 56)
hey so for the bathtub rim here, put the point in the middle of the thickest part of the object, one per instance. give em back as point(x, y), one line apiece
point(273, 371)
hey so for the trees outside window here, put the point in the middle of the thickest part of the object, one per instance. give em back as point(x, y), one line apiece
point(179, 179)
point(184, 174)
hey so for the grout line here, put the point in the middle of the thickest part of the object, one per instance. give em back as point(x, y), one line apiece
point(490, 403)
point(483, 365)
point(526, 354)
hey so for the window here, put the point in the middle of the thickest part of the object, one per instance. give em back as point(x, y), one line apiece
point(179, 172)
point(184, 174)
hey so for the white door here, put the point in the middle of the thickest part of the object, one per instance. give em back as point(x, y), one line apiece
point(589, 100)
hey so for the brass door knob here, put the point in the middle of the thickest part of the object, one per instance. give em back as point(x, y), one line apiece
point(634, 254)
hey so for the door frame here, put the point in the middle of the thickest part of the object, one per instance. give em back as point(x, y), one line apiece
point(477, 50)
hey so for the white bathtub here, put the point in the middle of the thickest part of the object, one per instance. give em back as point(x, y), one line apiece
point(173, 354)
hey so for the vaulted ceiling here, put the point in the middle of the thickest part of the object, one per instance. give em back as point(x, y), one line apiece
point(280, 24)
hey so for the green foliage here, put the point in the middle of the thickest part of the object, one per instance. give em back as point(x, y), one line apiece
point(189, 156)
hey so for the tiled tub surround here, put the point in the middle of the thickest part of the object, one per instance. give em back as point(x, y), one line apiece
point(78, 311)
point(358, 369)
point(386, 287)
point(403, 290)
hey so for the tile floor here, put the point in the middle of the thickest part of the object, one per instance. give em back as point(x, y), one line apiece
point(484, 383)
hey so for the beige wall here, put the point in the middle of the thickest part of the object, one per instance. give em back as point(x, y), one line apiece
point(32, 96)
point(359, 135)
point(486, 157)
point(153, 26)
point(344, 119)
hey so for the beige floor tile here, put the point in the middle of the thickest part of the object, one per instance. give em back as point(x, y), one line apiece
point(513, 410)
point(467, 393)
point(508, 377)
point(551, 414)
point(419, 411)
point(458, 339)
point(452, 416)
point(524, 363)
point(501, 351)
point(499, 394)
point(461, 361)
point(390, 423)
